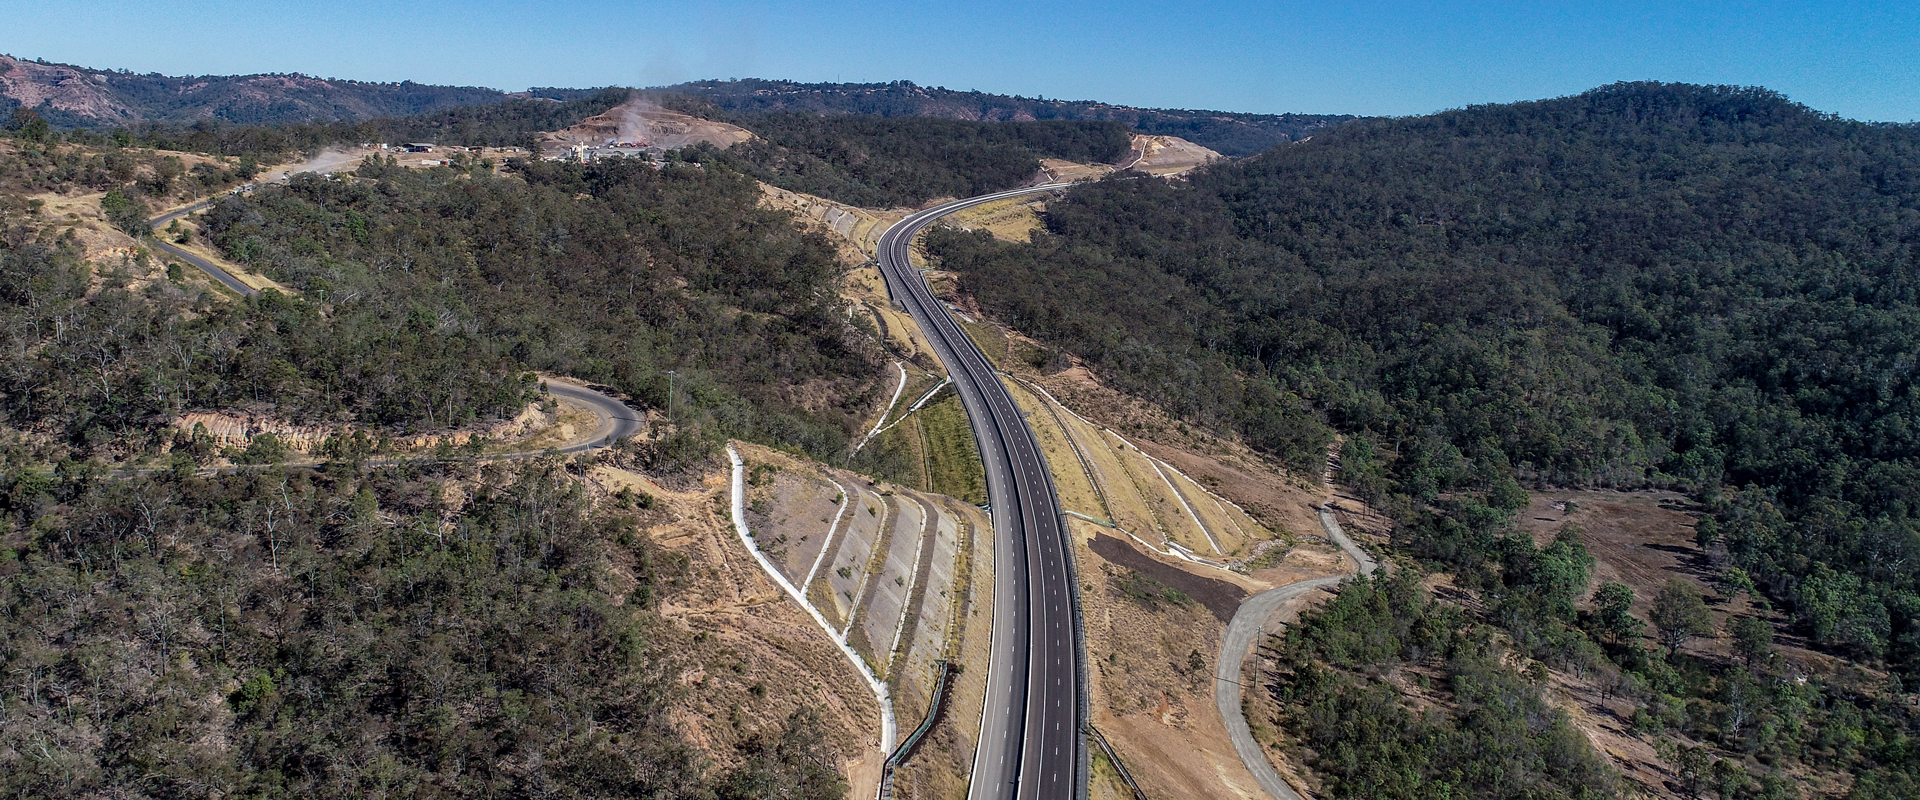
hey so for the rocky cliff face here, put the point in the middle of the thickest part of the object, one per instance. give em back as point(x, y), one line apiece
point(237, 430)
point(63, 88)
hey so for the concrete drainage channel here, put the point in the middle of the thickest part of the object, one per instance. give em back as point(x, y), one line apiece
point(907, 606)
point(1118, 766)
point(739, 507)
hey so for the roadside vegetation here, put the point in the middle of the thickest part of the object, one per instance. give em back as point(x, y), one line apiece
point(613, 273)
point(426, 300)
point(1507, 741)
point(1645, 286)
point(343, 632)
point(931, 449)
point(433, 628)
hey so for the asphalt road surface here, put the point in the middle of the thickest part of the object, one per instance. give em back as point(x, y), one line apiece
point(1031, 745)
point(221, 275)
point(1248, 625)
point(617, 420)
point(327, 162)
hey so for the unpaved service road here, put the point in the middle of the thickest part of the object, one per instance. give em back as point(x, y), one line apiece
point(1248, 625)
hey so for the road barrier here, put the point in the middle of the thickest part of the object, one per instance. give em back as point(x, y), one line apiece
point(905, 750)
point(1118, 766)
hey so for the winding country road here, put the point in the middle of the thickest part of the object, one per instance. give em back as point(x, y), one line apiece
point(327, 162)
point(617, 419)
point(1031, 744)
point(205, 265)
point(1247, 626)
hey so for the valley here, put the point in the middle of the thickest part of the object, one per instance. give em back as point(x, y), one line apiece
point(748, 438)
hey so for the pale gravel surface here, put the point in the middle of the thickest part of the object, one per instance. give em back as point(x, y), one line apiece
point(1247, 626)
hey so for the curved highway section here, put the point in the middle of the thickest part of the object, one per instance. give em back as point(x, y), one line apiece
point(1031, 746)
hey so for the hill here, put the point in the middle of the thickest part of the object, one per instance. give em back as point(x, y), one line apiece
point(1708, 289)
point(1230, 133)
point(71, 96)
point(883, 162)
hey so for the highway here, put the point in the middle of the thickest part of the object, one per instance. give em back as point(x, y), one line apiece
point(1031, 745)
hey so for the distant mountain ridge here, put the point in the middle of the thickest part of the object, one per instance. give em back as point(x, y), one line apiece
point(1231, 133)
point(72, 96)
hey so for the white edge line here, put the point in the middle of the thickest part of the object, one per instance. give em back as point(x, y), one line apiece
point(860, 665)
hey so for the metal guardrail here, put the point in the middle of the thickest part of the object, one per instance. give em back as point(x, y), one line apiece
point(900, 754)
point(1118, 766)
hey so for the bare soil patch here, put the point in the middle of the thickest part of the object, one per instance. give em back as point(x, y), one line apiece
point(663, 128)
point(1641, 539)
point(1151, 670)
point(1168, 155)
point(752, 657)
point(1218, 596)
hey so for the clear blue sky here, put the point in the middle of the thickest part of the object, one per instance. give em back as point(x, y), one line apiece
point(1857, 59)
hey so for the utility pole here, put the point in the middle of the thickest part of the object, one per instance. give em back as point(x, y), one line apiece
point(669, 397)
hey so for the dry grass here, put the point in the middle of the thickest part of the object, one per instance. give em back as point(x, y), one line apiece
point(574, 421)
point(1169, 155)
point(754, 656)
point(1155, 707)
point(1071, 479)
point(1011, 220)
point(940, 768)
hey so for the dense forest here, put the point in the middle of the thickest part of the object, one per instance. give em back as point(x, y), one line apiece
point(1231, 133)
point(1708, 289)
point(613, 272)
point(426, 299)
point(1511, 743)
point(347, 633)
point(886, 162)
point(437, 628)
point(515, 122)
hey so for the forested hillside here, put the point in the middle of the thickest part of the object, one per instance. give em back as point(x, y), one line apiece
point(73, 96)
point(426, 298)
point(442, 627)
point(278, 634)
point(516, 122)
point(1231, 133)
point(883, 162)
point(1704, 288)
point(610, 272)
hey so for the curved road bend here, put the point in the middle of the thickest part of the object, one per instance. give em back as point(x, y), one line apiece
point(1030, 741)
point(617, 419)
point(1248, 625)
point(326, 163)
point(205, 266)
